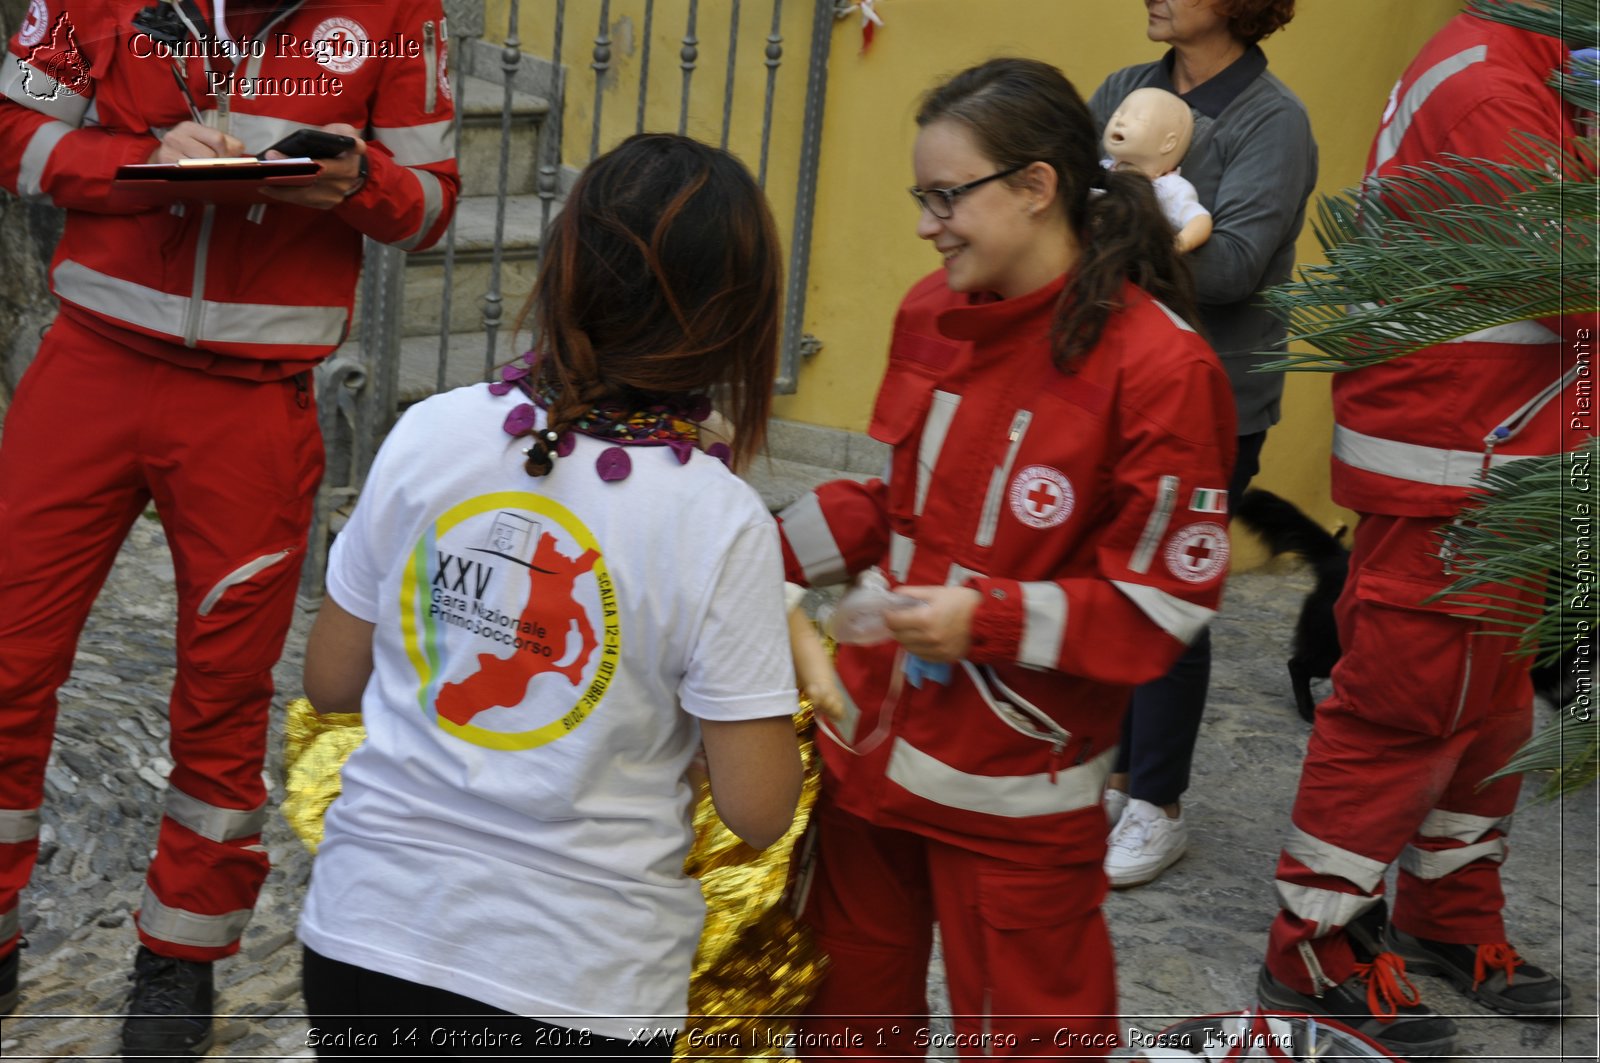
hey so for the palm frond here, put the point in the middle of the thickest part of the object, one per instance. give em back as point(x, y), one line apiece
point(1580, 83)
point(1438, 252)
point(1535, 528)
point(1577, 22)
point(1568, 749)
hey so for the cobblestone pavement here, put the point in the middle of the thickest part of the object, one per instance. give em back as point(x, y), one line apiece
point(1188, 944)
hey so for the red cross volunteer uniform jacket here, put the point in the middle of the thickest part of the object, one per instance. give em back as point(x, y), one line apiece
point(1412, 436)
point(1089, 510)
point(248, 291)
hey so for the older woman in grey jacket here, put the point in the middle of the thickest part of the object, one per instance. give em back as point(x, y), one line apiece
point(1253, 164)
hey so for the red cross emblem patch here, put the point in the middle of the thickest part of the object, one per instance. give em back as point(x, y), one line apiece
point(1198, 553)
point(1041, 497)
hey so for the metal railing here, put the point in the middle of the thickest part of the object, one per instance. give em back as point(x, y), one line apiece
point(360, 394)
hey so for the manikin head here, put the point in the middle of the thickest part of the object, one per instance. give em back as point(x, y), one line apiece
point(1149, 132)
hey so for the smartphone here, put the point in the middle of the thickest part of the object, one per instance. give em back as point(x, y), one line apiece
point(313, 144)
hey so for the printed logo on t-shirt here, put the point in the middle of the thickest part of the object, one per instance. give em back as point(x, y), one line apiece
point(1198, 552)
point(1041, 497)
point(510, 618)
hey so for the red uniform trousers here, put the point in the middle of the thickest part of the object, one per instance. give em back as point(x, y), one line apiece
point(1026, 949)
point(94, 434)
point(1425, 706)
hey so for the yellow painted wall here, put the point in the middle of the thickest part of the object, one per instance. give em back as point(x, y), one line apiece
point(1340, 56)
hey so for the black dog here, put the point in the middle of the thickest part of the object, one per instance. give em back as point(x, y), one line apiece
point(1316, 647)
point(1286, 530)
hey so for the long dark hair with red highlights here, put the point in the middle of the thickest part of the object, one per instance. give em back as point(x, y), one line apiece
point(1021, 111)
point(660, 283)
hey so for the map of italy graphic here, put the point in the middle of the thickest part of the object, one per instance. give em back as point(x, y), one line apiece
point(552, 610)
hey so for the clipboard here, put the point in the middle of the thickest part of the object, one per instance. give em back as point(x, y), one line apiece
point(225, 180)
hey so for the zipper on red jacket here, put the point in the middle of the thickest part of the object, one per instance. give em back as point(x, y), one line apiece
point(430, 61)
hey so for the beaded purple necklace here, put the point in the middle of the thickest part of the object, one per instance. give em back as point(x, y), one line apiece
point(659, 425)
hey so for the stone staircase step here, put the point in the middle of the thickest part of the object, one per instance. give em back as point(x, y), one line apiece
point(481, 139)
point(474, 254)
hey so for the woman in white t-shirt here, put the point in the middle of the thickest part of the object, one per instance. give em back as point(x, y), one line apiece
point(547, 599)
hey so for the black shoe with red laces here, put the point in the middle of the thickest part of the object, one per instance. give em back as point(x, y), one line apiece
point(1378, 1001)
point(169, 1013)
point(1493, 975)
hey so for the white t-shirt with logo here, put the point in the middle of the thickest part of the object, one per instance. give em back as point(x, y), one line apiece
point(514, 827)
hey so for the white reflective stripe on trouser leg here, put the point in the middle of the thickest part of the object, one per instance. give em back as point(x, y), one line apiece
point(239, 575)
point(809, 536)
point(1437, 863)
point(1458, 826)
point(1011, 796)
point(189, 928)
point(1327, 859)
point(11, 923)
point(18, 825)
point(1328, 909)
point(212, 821)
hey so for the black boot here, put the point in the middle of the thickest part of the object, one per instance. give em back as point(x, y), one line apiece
point(169, 1013)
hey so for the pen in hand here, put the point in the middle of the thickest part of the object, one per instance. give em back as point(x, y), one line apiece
point(183, 87)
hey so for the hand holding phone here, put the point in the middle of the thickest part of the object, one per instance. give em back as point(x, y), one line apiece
point(313, 144)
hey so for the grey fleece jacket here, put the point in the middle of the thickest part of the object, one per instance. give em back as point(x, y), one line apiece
point(1253, 163)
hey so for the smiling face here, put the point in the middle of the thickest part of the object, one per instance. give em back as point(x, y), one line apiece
point(1184, 22)
point(1000, 237)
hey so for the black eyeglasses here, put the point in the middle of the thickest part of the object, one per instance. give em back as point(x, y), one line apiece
point(941, 202)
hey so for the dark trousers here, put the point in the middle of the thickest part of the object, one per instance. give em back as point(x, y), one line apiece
point(357, 1013)
point(1163, 719)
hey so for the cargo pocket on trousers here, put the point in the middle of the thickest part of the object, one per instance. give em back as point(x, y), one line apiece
point(1415, 667)
point(1046, 947)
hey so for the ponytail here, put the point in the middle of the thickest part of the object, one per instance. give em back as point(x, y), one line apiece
point(1123, 235)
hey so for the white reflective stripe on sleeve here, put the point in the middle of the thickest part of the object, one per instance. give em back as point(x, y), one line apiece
point(1044, 623)
point(901, 548)
point(190, 928)
point(1172, 315)
point(18, 825)
point(1329, 909)
point(1437, 864)
point(211, 821)
point(1181, 619)
point(259, 131)
point(1459, 826)
point(35, 157)
point(22, 82)
point(135, 304)
point(1011, 796)
point(1515, 333)
point(417, 145)
point(934, 429)
point(809, 536)
point(1327, 859)
point(1390, 137)
point(11, 923)
point(238, 576)
point(1156, 526)
point(432, 205)
point(1414, 462)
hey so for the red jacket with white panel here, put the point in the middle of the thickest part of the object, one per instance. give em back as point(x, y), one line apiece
point(1088, 509)
point(1413, 435)
point(254, 291)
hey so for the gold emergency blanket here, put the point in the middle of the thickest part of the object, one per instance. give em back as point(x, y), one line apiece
point(756, 965)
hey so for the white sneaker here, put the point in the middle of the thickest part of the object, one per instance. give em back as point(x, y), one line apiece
point(1145, 843)
point(1116, 801)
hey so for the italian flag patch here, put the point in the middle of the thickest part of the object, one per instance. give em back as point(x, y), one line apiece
point(1209, 500)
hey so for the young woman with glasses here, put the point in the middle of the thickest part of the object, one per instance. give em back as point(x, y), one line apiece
point(1058, 428)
